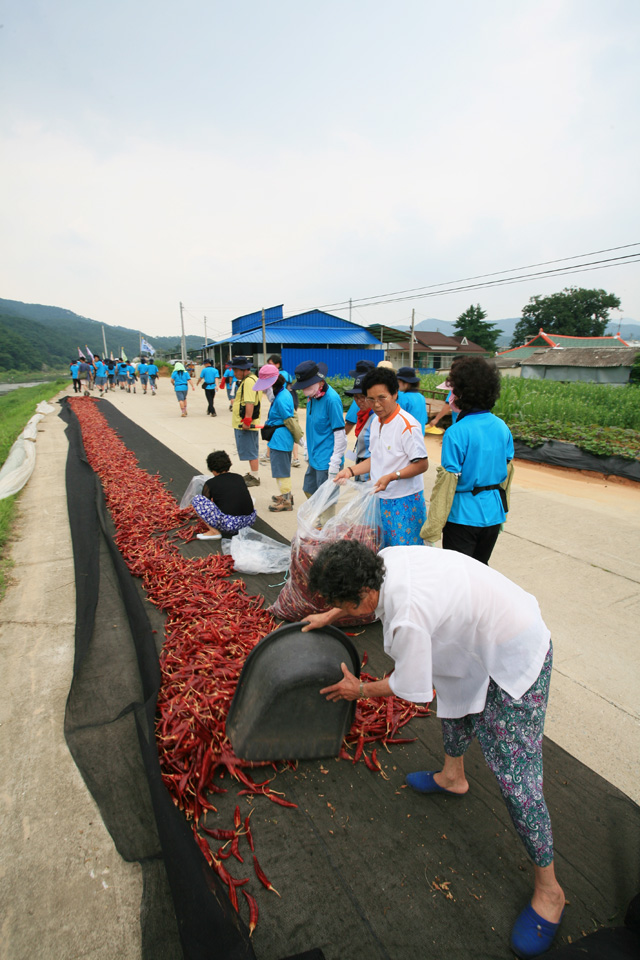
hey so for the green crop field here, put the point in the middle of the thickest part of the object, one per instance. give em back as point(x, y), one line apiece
point(598, 418)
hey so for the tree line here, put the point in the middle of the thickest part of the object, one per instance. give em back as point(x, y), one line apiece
point(574, 312)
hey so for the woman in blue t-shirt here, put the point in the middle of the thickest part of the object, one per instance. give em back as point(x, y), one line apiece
point(469, 500)
point(181, 379)
point(409, 397)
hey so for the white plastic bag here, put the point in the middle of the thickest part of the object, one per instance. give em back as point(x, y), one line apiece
point(348, 511)
point(194, 489)
point(254, 552)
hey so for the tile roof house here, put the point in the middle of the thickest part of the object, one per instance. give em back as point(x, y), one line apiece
point(587, 364)
point(544, 341)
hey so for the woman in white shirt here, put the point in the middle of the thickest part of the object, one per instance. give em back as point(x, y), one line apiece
point(453, 623)
point(398, 460)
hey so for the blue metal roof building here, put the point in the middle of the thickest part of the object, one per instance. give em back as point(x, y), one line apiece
point(314, 335)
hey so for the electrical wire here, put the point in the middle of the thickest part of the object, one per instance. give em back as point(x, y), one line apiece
point(559, 272)
point(482, 276)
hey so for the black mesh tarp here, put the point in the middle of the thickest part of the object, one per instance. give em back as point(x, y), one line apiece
point(366, 868)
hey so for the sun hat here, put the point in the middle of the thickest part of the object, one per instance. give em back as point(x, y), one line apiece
point(178, 366)
point(309, 372)
point(362, 367)
point(407, 375)
point(356, 389)
point(268, 375)
point(241, 363)
point(443, 386)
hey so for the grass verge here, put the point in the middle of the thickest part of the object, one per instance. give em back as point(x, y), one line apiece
point(16, 409)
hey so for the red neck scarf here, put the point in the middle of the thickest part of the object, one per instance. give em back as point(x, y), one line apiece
point(363, 416)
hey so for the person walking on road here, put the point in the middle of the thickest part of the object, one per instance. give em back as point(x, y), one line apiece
point(210, 379)
point(279, 437)
point(245, 418)
point(152, 373)
point(181, 380)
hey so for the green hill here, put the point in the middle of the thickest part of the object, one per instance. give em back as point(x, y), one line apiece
point(38, 337)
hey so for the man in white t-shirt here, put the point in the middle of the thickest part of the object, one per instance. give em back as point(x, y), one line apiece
point(398, 460)
point(452, 623)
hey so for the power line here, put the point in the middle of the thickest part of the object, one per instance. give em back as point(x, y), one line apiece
point(383, 297)
point(559, 272)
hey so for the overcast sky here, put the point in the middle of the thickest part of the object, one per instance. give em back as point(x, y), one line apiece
point(239, 155)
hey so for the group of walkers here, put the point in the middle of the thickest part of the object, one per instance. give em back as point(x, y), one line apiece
point(110, 374)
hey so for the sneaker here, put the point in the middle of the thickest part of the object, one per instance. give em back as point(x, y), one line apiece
point(281, 496)
point(264, 458)
point(281, 505)
point(295, 463)
point(251, 481)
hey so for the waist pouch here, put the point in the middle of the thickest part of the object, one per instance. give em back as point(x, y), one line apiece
point(494, 486)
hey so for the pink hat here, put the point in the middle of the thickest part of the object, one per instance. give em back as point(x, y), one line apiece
point(267, 377)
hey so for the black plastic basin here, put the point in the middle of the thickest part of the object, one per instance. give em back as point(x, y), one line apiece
point(277, 712)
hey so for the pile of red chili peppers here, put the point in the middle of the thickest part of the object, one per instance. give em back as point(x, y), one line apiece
point(212, 625)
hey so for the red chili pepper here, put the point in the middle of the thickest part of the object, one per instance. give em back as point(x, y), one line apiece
point(253, 912)
point(261, 876)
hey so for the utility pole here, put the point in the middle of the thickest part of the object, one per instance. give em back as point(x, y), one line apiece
point(349, 309)
point(184, 345)
point(264, 340)
point(206, 342)
point(413, 324)
point(104, 342)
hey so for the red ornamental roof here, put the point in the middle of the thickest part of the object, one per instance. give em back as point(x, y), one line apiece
point(565, 340)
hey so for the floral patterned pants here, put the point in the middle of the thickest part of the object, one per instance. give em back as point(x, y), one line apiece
point(510, 736)
point(208, 511)
point(402, 520)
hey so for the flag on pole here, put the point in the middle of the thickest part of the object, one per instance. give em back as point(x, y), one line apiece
point(81, 354)
point(145, 347)
point(123, 355)
point(89, 354)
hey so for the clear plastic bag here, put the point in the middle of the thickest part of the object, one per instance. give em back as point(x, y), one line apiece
point(254, 552)
point(349, 511)
point(194, 489)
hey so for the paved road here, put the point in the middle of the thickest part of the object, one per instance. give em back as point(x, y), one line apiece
point(570, 539)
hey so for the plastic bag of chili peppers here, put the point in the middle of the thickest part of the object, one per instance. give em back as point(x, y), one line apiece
point(347, 511)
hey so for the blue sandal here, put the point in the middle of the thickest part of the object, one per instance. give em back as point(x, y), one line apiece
point(532, 934)
point(423, 782)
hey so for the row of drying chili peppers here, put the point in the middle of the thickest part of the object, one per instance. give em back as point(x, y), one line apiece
point(212, 624)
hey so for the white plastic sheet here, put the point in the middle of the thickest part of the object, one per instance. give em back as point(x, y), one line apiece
point(21, 460)
point(194, 489)
point(254, 552)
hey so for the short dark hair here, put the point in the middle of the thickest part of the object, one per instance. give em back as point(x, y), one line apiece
point(342, 570)
point(475, 384)
point(382, 376)
point(278, 385)
point(275, 358)
point(219, 461)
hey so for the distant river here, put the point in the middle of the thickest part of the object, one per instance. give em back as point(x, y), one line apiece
point(7, 387)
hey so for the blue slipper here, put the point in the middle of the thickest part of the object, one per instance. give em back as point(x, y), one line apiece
point(423, 782)
point(532, 934)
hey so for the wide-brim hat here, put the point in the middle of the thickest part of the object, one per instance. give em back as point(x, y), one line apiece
point(356, 389)
point(309, 372)
point(443, 386)
point(267, 376)
point(407, 375)
point(362, 367)
point(241, 363)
